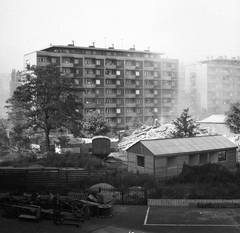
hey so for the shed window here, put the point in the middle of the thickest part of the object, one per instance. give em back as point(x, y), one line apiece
point(222, 156)
point(203, 158)
point(172, 162)
point(140, 161)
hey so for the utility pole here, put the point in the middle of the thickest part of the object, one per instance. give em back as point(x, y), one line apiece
point(122, 42)
point(105, 39)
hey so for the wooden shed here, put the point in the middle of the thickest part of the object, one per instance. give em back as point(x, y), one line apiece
point(165, 157)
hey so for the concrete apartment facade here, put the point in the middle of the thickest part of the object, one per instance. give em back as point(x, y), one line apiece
point(118, 83)
point(213, 84)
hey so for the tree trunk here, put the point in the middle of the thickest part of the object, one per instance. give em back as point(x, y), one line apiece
point(47, 141)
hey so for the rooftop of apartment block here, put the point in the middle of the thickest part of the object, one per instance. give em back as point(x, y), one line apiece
point(92, 50)
point(222, 60)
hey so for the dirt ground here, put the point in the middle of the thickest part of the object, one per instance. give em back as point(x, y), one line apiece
point(140, 219)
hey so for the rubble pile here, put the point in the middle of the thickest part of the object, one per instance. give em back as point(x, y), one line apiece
point(146, 132)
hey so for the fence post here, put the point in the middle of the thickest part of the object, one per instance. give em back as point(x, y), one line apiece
point(26, 179)
point(145, 196)
point(122, 195)
point(66, 178)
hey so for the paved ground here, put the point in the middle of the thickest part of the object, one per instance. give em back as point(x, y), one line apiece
point(139, 219)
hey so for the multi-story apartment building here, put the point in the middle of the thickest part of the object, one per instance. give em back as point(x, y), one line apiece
point(118, 83)
point(213, 84)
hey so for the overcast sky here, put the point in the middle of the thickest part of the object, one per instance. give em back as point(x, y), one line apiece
point(188, 30)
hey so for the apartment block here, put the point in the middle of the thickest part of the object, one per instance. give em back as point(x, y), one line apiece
point(212, 85)
point(118, 83)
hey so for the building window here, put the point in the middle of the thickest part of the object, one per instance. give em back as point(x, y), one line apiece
point(137, 83)
point(110, 91)
point(119, 63)
point(76, 61)
point(203, 158)
point(76, 81)
point(140, 161)
point(66, 60)
point(97, 72)
point(118, 82)
point(138, 101)
point(54, 60)
point(137, 73)
point(119, 92)
point(155, 110)
point(222, 156)
point(138, 110)
point(172, 162)
point(97, 92)
point(98, 82)
point(137, 92)
point(97, 62)
point(118, 72)
point(119, 101)
point(42, 59)
point(118, 110)
point(119, 120)
point(66, 70)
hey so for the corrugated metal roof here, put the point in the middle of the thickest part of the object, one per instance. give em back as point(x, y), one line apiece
point(214, 119)
point(172, 146)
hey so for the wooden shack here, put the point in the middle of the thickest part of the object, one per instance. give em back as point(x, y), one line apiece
point(165, 157)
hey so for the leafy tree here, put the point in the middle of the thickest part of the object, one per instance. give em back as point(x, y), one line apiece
point(95, 124)
point(4, 140)
point(150, 121)
point(19, 137)
point(233, 117)
point(185, 125)
point(46, 100)
point(135, 122)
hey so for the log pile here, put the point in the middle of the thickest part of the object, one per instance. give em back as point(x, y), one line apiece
point(146, 132)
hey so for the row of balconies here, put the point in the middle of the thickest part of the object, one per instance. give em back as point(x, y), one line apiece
point(130, 105)
point(93, 66)
point(114, 86)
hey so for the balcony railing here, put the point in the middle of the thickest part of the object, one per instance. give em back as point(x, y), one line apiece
point(149, 77)
point(67, 65)
point(111, 76)
point(149, 86)
point(128, 76)
point(110, 66)
point(148, 67)
point(111, 105)
point(130, 67)
point(130, 95)
point(111, 85)
point(149, 95)
point(90, 75)
point(110, 114)
point(149, 114)
point(90, 95)
point(91, 105)
point(111, 95)
point(90, 66)
point(130, 105)
point(149, 104)
point(167, 78)
point(89, 85)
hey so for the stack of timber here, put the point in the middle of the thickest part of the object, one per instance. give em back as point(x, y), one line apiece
point(146, 132)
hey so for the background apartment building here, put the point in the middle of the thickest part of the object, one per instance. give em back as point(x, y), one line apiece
point(118, 83)
point(213, 84)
